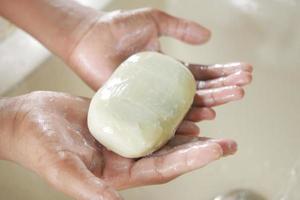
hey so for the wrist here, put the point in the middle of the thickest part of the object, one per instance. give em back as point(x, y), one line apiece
point(8, 112)
point(71, 29)
point(73, 36)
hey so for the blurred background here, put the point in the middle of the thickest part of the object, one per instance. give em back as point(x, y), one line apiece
point(265, 124)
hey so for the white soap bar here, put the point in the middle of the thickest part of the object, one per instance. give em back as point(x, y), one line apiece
point(139, 108)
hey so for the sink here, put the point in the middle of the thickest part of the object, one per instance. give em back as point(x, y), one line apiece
point(240, 194)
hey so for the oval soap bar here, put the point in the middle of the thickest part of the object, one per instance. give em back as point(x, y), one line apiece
point(139, 108)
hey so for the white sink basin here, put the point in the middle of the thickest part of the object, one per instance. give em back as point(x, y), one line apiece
point(265, 123)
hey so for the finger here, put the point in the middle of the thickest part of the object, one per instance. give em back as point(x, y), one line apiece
point(197, 114)
point(188, 128)
point(182, 29)
point(71, 176)
point(218, 96)
point(240, 78)
point(229, 147)
point(206, 72)
point(168, 164)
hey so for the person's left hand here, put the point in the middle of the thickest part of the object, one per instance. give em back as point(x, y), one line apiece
point(117, 35)
point(49, 135)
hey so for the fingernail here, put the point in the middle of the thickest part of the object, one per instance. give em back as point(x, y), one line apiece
point(229, 147)
point(232, 148)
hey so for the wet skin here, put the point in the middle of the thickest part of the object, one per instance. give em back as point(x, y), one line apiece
point(94, 43)
point(124, 33)
point(47, 132)
point(50, 137)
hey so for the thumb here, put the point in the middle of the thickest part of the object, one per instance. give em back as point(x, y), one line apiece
point(70, 175)
point(182, 29)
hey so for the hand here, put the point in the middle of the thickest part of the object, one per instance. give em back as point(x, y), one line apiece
point(50, 137)
point(216, 85)
point(95, 43)
point(117, 35)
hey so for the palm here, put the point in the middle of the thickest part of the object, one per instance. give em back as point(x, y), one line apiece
point(64, 152)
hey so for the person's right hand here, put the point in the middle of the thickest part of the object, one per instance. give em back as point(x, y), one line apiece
point(49, 135)
point(94, 43)
point(116, 35)
point(110, 38)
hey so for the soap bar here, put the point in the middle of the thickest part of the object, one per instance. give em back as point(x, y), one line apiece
point(139, 108)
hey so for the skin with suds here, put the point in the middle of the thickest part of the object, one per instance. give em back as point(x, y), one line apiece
point(46, 132)
point(49, 135)
point(90, 41)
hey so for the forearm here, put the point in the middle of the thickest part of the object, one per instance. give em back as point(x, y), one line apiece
point(52, 22)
